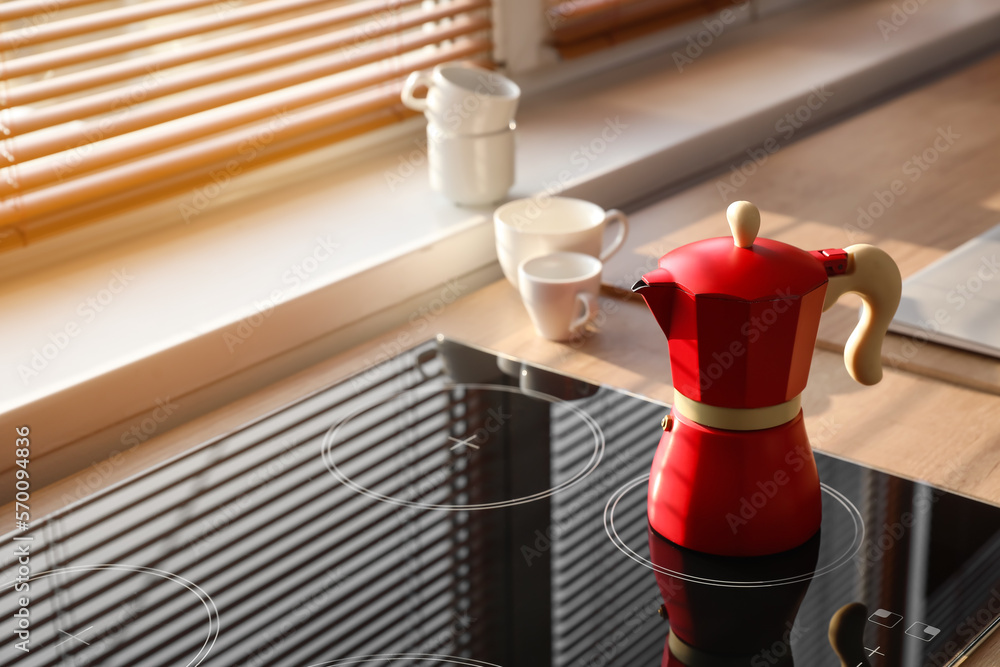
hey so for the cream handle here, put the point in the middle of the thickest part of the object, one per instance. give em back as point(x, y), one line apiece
point(414, 81)
point(873, 275)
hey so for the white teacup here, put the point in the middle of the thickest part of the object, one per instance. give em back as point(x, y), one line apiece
point(463, 99)
point(527, 228)
point(560, 292)
point(471, 169)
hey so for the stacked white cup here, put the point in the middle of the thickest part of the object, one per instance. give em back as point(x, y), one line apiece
point(470, 130)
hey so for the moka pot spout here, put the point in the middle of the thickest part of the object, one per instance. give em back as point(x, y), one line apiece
point(657, 289)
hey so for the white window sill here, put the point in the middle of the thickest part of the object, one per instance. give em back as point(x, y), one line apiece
point(300, 261)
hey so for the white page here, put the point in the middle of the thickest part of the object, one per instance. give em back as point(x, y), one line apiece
point(956, 300)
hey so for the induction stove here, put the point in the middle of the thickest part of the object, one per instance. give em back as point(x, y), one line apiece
point(451, 506)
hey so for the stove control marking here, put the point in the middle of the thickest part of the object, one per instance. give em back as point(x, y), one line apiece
point(923, 632)
point(885, 618)
point(76, 637)
point(467, 442)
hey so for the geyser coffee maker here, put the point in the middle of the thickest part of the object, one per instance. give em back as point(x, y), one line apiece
point(734, 474)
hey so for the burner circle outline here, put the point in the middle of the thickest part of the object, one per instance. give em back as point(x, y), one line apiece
point(206, 600)
point(589, 467)
point(843, 559)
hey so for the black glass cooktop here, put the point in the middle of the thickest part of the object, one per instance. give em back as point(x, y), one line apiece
point(452, 507)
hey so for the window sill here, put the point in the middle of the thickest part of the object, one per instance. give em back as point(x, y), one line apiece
point(282, 270)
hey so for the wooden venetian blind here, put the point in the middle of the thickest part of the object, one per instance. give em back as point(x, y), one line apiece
point(582, 26)
point(103, 103)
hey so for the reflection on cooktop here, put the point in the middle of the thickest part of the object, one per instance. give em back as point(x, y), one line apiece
point(841, 536)
point(109, 614)
point(438, 436)
point(452, 507)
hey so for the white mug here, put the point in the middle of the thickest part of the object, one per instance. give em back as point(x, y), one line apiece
point(560, 292)
point(526, 228)
point(463, 99)
point(471, 170)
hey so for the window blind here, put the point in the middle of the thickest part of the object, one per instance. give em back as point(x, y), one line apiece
point(104, 103)
point(579, 27)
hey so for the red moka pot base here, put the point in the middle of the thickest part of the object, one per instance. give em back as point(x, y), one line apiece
point(735, 493)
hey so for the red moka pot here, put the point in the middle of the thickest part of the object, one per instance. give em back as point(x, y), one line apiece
point(734, 474)
point(731, 611)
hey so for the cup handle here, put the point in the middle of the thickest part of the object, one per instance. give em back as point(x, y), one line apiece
point(414, 81)
point(614, 215)
point(590, 308)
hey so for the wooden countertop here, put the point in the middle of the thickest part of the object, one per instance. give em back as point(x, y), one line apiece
point(912, 423)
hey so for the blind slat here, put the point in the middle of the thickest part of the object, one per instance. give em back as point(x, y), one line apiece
point(72, 55)
point(581, 26)
point(155, 62)
point(236, 103)
point(31, 147)
point(188, 157)
point(81, 25)
point(22, 9)
point(64, 220)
